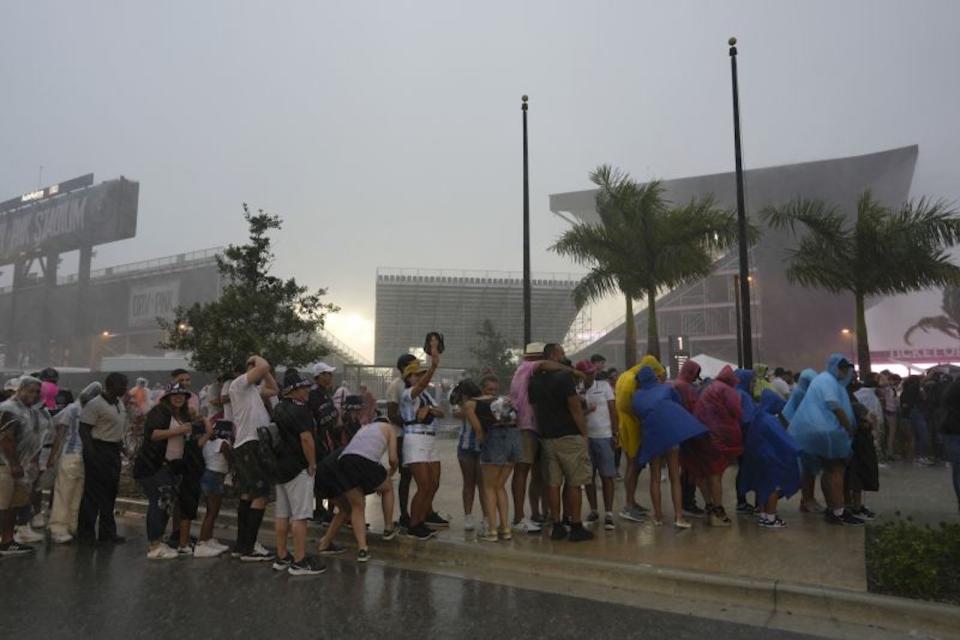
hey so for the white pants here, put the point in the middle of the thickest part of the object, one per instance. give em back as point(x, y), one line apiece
point(67, 491)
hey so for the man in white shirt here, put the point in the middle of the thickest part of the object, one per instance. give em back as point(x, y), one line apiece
point(602, 431)
point(781, 382)
point(248, 392)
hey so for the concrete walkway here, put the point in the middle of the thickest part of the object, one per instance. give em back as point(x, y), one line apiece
point(808, 551)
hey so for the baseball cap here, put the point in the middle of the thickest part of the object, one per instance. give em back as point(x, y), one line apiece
point(12, 384)
point(534, 349)
point(322, 367)
point(175, 388)
point(352, 402)
point(414, 367)
point(292, 380)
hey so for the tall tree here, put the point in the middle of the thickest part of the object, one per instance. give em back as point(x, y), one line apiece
point(881, 251)
point(256, 312)
point(493, 352)
point(642, 245)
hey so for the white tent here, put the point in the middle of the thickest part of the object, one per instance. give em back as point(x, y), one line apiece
point(710, 366)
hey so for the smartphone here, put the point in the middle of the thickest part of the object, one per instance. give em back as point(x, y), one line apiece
point(433, 339)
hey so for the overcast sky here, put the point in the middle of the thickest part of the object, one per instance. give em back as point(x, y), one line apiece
point(388, 132)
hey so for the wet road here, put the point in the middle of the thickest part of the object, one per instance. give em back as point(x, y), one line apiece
point(73, 592)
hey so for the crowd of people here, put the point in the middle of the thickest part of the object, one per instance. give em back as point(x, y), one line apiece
point(531, 448)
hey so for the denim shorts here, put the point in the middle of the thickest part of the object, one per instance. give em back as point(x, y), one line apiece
point(212, 482)
point(502, 445)
point(602, 457)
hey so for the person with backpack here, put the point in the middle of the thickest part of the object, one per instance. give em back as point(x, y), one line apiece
point(294, 472)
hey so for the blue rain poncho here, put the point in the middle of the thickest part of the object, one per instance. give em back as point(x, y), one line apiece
point(665, 422)
point(815, 427)
point(770, 455)
point(796, 396)
point(747, 406)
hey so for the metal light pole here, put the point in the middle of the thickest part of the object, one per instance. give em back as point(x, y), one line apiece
point(527, 339)
point(736, 305)
point(746, 337)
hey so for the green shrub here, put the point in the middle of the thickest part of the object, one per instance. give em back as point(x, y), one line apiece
point(905, 559)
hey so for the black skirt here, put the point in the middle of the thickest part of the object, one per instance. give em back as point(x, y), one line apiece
point(336, 475)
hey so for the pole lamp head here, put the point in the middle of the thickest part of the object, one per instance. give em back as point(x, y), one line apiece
point(524, 99)
point(733, 46)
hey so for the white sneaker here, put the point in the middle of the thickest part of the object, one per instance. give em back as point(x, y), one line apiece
point(162, 552)
point(468, 523)
point(25, 534)
point(38, 521)
point(206, 550)
point(61, 537)
point(527, 526)
point(260, 549)
point(213, 542)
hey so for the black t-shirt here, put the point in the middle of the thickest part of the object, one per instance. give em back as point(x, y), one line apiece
point(548, 391)
point(292, 419)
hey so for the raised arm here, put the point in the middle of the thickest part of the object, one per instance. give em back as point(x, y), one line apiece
point(425, 379)
point(261, 368)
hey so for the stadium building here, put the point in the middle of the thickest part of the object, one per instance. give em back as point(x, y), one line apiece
point(792, 326)
point(412, 302)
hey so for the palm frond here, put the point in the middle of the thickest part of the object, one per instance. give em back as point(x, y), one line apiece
point(942, 324)
point(594, 286)
point(815, 215)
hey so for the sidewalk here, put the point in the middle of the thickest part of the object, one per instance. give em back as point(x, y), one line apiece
point(807, 552)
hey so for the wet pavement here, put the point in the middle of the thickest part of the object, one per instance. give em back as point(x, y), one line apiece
point(115, 592)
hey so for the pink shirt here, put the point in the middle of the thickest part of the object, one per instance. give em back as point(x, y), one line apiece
point(518, 395)
point(48, 394)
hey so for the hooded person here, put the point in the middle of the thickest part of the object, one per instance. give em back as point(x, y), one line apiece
point(822, 426)
point(666, 425)
point(686, 386)
point(720, 408)
point(769, 466)
point(799, 391)
point(760, 382)
point(631, 432)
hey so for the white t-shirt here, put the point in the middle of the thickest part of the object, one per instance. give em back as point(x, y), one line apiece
point(394, 390)
point(598, 422)
point(213, 458)
point(780, 386)
point(228, 406)
point(249, 412)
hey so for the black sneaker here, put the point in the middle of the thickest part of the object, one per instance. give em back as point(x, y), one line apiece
point(864, 514)
point(579, 534)
point(404, 523)
point(282, 564)
point(850, 519)
point(256, 556)
point(306, 567)
point(434, 521)
point(333, 549)
point(745, 509)
point(693, 511)
point(14, 548)
point(421, 532)
point(559, 532)
point(829, 516)
point(363, 555)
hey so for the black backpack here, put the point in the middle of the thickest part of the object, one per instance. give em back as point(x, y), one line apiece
point(268, 440)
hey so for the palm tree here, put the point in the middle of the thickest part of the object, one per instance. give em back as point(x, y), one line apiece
point(642, 245)
point(948, 323)
point(881, 252)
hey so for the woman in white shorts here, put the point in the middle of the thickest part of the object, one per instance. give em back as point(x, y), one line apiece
point(418, 411)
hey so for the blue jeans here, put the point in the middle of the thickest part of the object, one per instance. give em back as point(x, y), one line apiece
point(921, 433)
point(951, 450)
point(160, 491)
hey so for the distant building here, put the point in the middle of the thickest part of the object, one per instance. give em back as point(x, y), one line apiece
point(413, 302)
point(793, 326)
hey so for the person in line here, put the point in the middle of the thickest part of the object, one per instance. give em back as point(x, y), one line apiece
point(368, 411)
point(168, 468)
point(823, 426)
point(325, 416)
point(529, 464)
point(781, 382)
point(103, 422)
point(67, 459)
point(760, 382)
point(719, 408)
point(950, 431)
point(418, 412)
point(493, 420)
point(356, 472)
point(666, 425)
point(686, 387)
point(630, 435)
point(296, 468)
point(248, 392)
point(603, 439)
point(863, 470)
point(20, 442)
point(770, 463)
point(891, 410)
point(563, 430)
point(216, 461)
point(913, 405)
point(468, 453)
point(808, 500)
point(394, 390)
point(49, 378)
